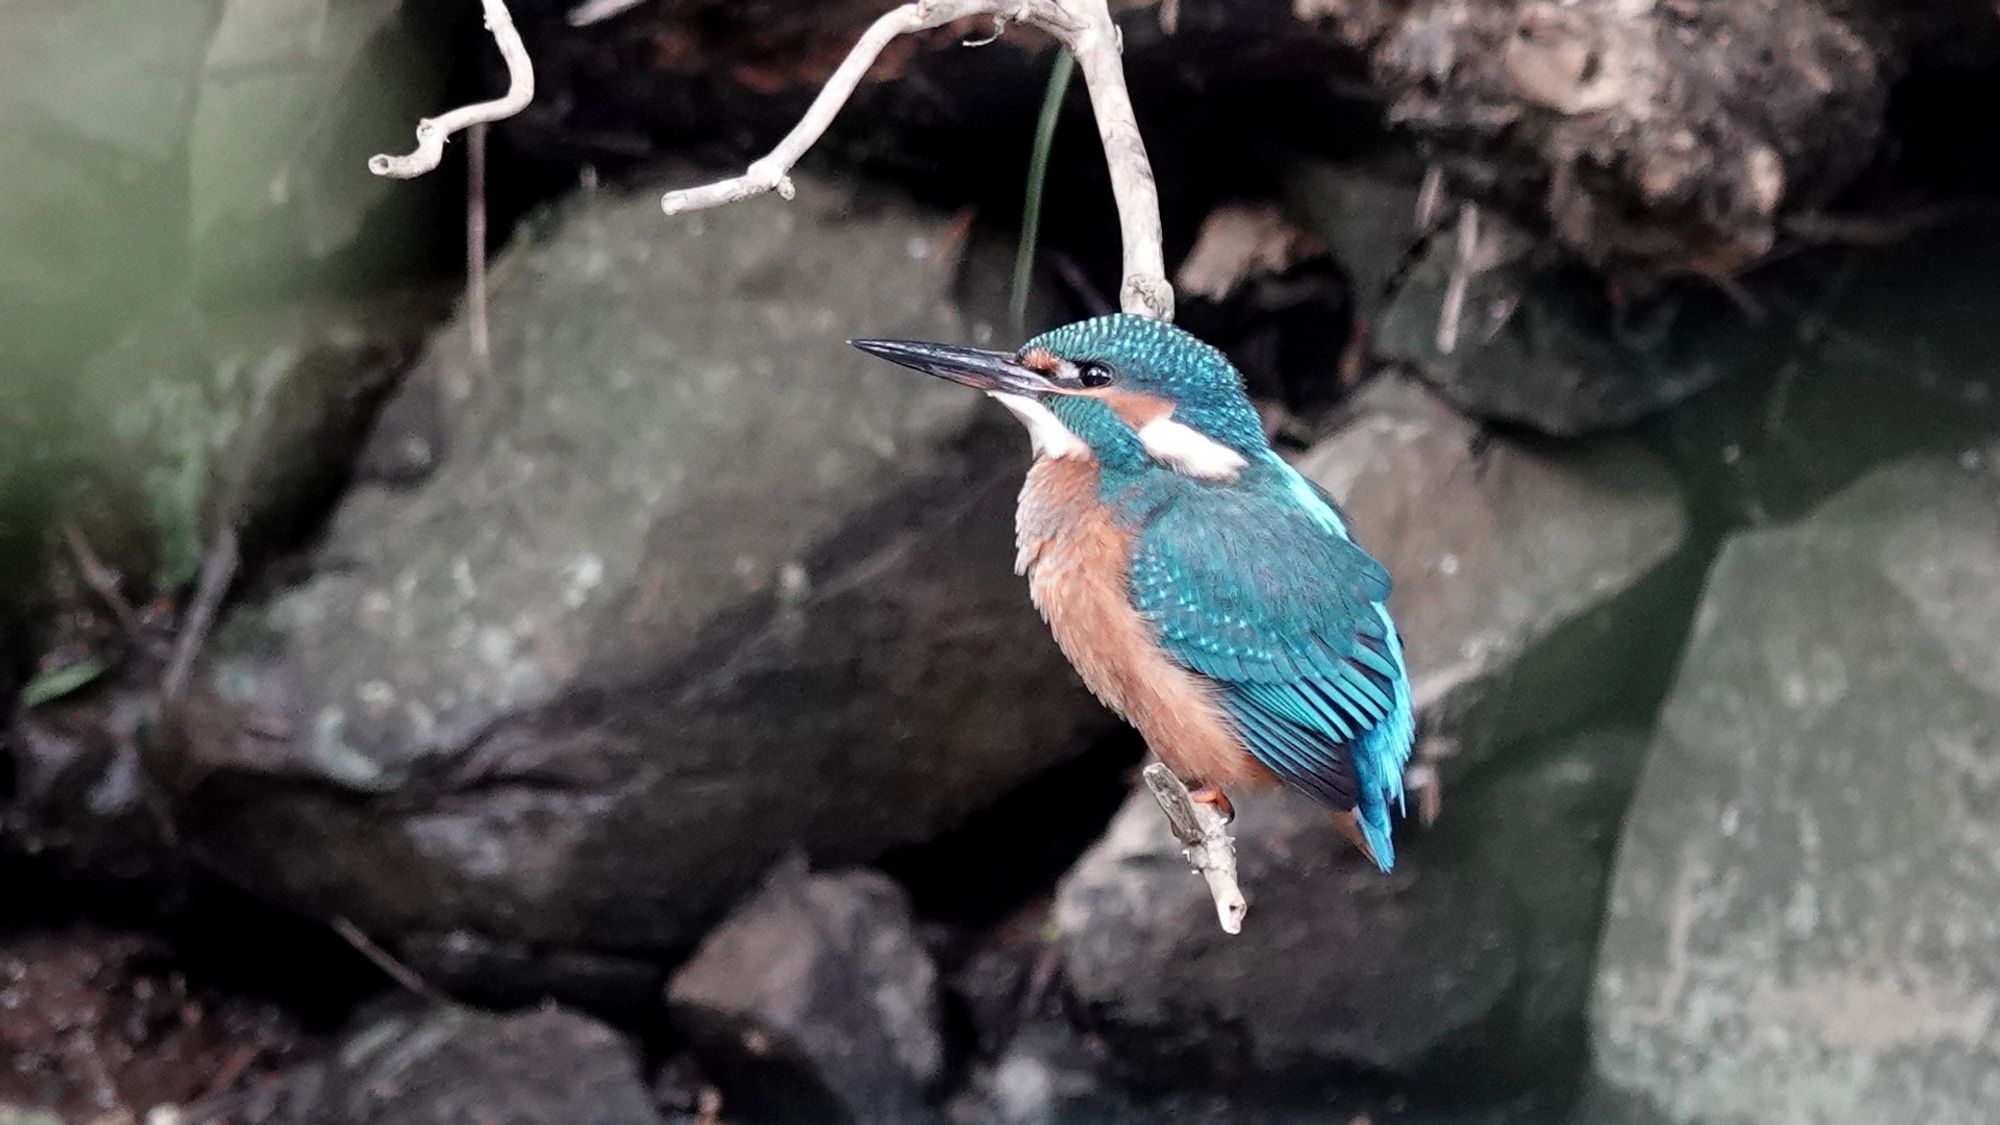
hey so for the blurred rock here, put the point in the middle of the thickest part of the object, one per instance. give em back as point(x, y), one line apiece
point(693, 584)
point(96, 103)
point(1529, 578)
point(1802, 922)
point(455, 1066)
point(814, 1001)
point(1883, 353)
point(1537, 340)
point(1047, 1076)
point(294, 96)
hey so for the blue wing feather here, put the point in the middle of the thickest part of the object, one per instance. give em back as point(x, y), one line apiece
point(1257, 587)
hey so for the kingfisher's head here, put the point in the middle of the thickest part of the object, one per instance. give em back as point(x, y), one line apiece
point(1124, 390)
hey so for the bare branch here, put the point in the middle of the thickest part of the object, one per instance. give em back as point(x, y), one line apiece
point(1095, 43)
point(386, 961)
point(432, 132)
point(218, 570)
point(1085, 29)
point(772, 173)
point(1204, 837)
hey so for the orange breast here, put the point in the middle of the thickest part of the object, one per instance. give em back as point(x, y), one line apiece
point(1078, 562)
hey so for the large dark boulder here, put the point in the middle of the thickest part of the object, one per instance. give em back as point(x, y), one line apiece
point(680, 584)
point(1801, 923)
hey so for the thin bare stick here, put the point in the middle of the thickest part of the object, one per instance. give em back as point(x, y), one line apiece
point(1086, 30)
point(1204, 837)
point(386, 961)
point(218, 570)
point(103, 582)
point(475, 245)
point(1095, 43)
point(432, 132)
point(1463, 267)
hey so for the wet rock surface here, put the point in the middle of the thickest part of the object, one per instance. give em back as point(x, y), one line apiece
point(455, 1066)
point(815, 1001)
point(1800, 926)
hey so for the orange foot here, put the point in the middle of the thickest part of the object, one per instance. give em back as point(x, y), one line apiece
point(1210, 795)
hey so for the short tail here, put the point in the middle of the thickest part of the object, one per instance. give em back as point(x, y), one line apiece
point(1379, 757)
point(1372, 839)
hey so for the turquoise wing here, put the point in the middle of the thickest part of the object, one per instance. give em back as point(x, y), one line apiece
point(1258, 588)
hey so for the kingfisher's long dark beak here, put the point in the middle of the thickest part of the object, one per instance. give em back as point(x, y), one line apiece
point(974, 367)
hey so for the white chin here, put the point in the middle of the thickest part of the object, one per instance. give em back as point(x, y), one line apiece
point(1045, 431)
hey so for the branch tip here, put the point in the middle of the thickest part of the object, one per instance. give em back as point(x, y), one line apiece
point(432, 132)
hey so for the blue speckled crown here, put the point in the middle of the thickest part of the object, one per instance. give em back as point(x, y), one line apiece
point(1154, 357)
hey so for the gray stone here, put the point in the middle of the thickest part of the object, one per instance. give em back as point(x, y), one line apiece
point(455, 1066)
point(1524, 575)
point(815, 1001)
point(1463, 975)
point(1802, 924)
point(1338, 965)
point(689, 584)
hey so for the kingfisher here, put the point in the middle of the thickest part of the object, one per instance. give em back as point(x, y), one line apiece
point(1204, 589)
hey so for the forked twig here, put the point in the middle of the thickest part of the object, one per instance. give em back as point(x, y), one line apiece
point(1085, 29)
point(432, 132)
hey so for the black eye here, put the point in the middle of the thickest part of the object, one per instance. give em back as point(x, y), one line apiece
point(1093, 375)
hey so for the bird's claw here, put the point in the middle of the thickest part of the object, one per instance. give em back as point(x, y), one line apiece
point(1210, 795)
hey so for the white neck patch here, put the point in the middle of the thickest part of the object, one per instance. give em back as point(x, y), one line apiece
point(1046, 432)
point(1189, 451)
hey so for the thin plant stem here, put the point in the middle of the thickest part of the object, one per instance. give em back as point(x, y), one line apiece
point(1038, 173)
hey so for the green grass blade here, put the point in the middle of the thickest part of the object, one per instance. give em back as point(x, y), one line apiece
point(1038, 174)
point(58, 682)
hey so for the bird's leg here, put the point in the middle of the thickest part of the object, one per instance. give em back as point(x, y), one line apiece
point(1213, 795)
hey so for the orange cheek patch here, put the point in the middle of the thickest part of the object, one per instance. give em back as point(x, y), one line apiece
point(1137, 410)
point(1042, 360)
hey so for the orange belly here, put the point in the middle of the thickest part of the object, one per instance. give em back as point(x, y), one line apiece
point(1078, 563)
